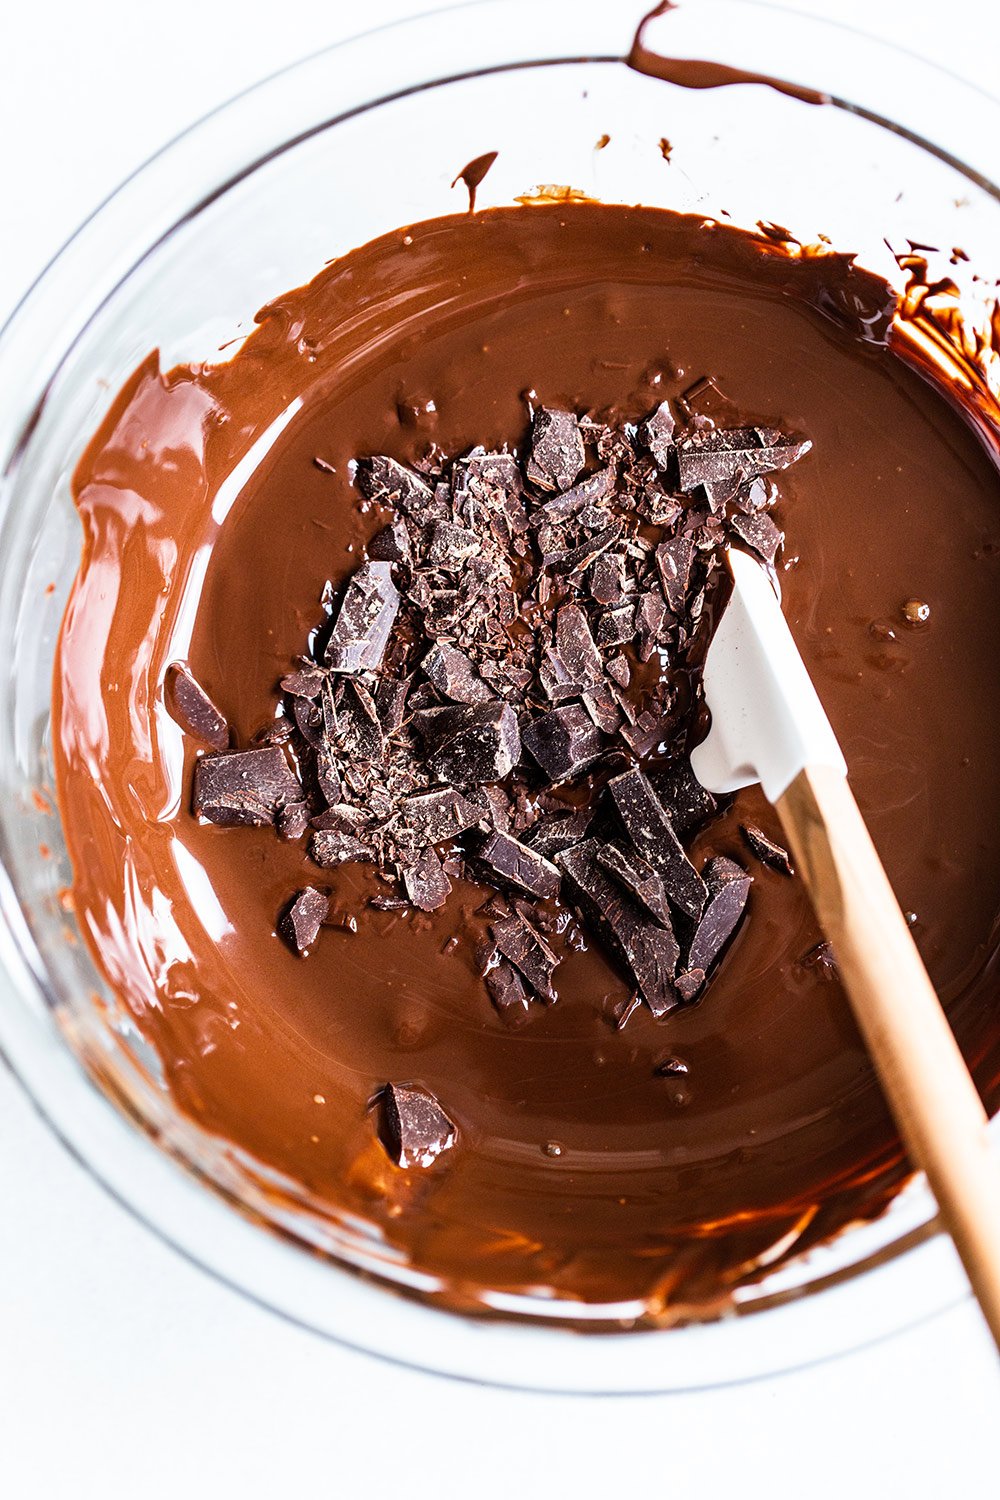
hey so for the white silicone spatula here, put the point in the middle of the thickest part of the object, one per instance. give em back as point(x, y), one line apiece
point(768, 725)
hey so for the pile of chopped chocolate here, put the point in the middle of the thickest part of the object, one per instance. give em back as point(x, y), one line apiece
point(504, 692)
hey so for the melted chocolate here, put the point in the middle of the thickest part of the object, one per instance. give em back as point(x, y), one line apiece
point(665, 1161)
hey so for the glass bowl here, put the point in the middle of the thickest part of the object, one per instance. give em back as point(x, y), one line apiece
point(349, 144)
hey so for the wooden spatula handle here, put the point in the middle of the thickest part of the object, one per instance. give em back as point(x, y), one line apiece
point(939, 1114)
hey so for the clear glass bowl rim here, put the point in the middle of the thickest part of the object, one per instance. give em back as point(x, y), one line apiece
point(910, 1279)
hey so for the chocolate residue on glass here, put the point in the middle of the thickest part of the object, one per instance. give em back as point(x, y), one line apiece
point(473, 174)
point(692, 73)
point(668, 1162)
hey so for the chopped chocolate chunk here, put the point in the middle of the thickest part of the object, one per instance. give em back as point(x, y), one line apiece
point(453, 674)
point(766, 850)
point(415, 1129)
point(673, 562)
point(440, 814)
point(391, 544)
point(657, 432)
point(648, 826)
point(365, 619)
point(578, 559)
point(719, 461)
point(390, 702)
point(602, 706)
point(514, 863)
point(618, 670)
point(343, 818)
point(728, 888)
point(451, 546)
point(639, 879)
point(557, 454)
point(522, 943)
point(607, 578)
point(575, 647)
point(671, 1067)
point(650, 618)
point(588, 492)
point(471, 743)
point(300, 924)
point(358, 728)
point(244, 787)
point(392, 485)
point(508, 992)
point(687, 802)
point(307, 683)
point(558, 831)
point(648, 951)
point(330, 849)
point(690, 984)
point(616, 627)
point(426, 883)
point(190, 706)
point(564, 741)
point(759, 532)
point(649, 730)
point(292, 820)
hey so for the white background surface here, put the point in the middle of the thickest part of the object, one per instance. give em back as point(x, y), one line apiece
point(125, 1372)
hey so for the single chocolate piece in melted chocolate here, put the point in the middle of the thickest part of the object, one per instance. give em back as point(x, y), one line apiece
point(766, 850)
point(300, 924)
point(415, 1129)
point(521, 942)
point(719, 462)
point(191, 707)
point(245, 787)
point(728, 888)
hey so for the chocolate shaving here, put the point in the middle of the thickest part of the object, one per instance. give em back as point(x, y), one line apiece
point(415, 1129)
point(190, 706)
point(766, 850)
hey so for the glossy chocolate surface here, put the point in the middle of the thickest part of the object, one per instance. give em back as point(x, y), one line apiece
point(586, 1162)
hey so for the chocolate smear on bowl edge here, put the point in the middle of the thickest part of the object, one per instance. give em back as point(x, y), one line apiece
point(495, 700)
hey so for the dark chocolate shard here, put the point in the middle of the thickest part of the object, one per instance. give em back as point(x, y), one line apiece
point(300, 924)
point(426, 884)
point(638, 879)
point(575, 647)
point(578, 559)
point(358, 727)
point(508, 992)
point(329, 849)
point(766, 850)
point(759, 532)
point(440, 814)
point(307, 683)
point(391, 697)
point(687, 802)
point(657, 433)
point(364, 622)
point(415, 1129)
point(673, 562)
point(689, 985)
point(616, 627)
point(471, 743)
point(513, 863)
point(522, 943)
point(728, 888)
point(451, 546)
point(607, 578)
point(244, 788)
point(557, 454)
point(190, 706)
point(650, 730)
point(602, 706)
point(588, 492)
point(648, 825)
point(648, 951)
point(292, 821)
point(558, 831)
point(392, 544)
point(454, 676)
point(564, 742)
point(389, 483)
point(720, 460)
point(650, 622)
point(343, 818)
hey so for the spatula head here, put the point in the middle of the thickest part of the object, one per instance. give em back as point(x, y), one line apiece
point(767, 720)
